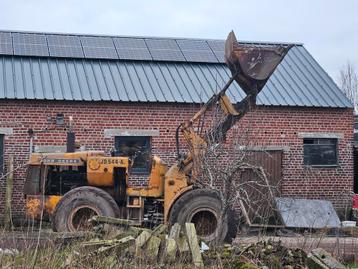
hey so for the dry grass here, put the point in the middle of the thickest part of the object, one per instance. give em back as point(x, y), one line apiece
point(44, 249)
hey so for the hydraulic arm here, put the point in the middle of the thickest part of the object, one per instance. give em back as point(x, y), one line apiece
point(251, 67)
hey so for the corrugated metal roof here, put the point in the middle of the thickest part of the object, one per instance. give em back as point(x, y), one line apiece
point(298, 81)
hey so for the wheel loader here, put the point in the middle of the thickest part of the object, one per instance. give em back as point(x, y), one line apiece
point(71, 187)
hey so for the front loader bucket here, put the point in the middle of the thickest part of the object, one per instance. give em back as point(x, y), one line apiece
point(252, 65)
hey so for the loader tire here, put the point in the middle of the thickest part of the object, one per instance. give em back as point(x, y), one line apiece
point(78, 205)
point(203, 208)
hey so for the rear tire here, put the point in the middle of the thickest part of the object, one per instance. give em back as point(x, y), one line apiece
point(203, 207)
point(78, 205)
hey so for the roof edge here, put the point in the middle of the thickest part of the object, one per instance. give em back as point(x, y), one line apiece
point(153, 37)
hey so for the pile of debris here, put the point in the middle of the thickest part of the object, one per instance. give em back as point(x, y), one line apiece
point(263, 254)
point(128, 243)
point(118, 241)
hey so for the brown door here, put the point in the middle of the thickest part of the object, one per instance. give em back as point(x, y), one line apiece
point(260, 183)
point(271, 162)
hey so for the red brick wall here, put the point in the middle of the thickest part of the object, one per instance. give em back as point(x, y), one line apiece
point(278, 126)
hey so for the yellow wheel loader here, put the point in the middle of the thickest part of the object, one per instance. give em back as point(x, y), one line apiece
point(71, 187)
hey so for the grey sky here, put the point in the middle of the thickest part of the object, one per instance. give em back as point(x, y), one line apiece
point(328, 28)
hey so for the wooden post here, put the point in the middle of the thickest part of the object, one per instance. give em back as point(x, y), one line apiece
point(194, 245)
point(8, 194)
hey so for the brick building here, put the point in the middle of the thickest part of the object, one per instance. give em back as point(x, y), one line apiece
point(125, 89)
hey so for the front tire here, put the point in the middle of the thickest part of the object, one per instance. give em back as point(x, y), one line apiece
point(78, 205)
point(203, 207)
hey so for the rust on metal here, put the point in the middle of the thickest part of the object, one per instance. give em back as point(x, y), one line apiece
point(34, 205)
point(252, 66)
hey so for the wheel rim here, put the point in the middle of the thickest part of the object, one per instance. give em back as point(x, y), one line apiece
point(205, 221)
point(78, 218)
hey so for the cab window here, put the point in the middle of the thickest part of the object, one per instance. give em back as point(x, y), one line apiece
point(137, 148)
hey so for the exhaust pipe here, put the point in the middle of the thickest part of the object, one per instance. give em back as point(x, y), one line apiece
point(71, 137)
point(71, 142)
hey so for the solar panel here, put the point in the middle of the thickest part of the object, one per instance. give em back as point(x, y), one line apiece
point(63, 40)
point(30, 50)
point(134, 54)
point(219, 55)
point(167, 55)
point(65, 46)
point(6, 48)
point(129, 43)
point(22, 38)
point(100, 53)
point(5, 38)
point(98, 42)
point(131, 48)
point(164, 50)
point(199, 56)
point(66, 51)
point(30, 44)
point(98, 47)
point(196, 51)
point(162, 44)
point(5, 43)
point(216, 45)
point(186, 44)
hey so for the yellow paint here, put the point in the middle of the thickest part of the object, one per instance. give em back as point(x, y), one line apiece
point(175, 184)
point(50, 203)
point(155, 186)
point(78, 158)
point(100, 170)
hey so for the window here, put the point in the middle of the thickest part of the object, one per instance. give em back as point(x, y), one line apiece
point(137, 148)
point(320, 151)
point(1, 153)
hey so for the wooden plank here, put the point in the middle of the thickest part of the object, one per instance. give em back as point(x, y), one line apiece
point(175, 231)
point(194, 245)
point(183, 246)
point(141, 240)
point(170, 250)
point(162, 228)
point(119, 245)
point(152, 249)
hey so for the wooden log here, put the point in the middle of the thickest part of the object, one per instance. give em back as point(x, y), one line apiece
point(152, 249)
point(321, 259)
point(194, 245)
point(8, 193)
